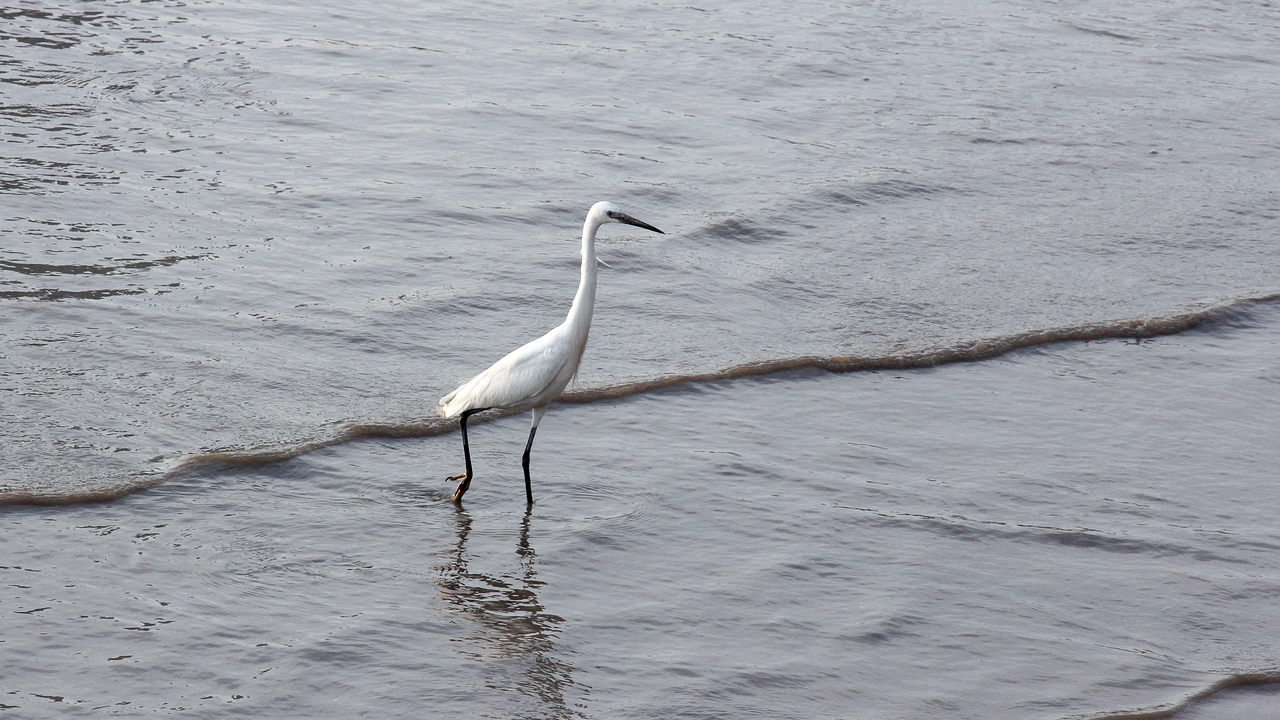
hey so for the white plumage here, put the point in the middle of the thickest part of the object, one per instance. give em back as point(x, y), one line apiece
point(528, 377)
point(534, 374)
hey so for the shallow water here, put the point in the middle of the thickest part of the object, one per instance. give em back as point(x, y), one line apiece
point(1066, 530)
point(239, 225)
point(245, 231)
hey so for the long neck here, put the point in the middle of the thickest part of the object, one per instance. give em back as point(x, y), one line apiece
point(579, 320)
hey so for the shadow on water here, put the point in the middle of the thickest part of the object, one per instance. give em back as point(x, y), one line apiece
point(516, 627)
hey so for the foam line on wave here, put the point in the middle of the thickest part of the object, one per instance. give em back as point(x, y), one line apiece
point(1235, 680)
point(963, 352)
point(973, 351)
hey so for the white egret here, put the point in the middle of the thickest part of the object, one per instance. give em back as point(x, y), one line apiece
point(530, 377)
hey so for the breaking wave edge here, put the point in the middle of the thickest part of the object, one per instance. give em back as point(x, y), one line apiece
point(1172, 710)
point(971, 351)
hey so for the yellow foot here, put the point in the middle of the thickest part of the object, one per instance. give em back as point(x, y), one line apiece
point(462, 489)
point(459, 476)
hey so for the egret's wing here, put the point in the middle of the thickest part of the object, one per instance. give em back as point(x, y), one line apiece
point(523, 378)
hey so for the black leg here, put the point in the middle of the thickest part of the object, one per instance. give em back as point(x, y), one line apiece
point(528, 484)
point(466, 453)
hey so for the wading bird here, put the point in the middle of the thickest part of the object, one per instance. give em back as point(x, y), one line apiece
point(530, 377)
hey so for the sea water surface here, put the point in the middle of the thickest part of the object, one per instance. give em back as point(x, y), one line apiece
point(236, 233)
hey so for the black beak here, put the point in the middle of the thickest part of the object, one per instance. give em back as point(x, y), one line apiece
point(625, 218)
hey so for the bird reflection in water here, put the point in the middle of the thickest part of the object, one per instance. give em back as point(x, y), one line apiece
point(518, 630)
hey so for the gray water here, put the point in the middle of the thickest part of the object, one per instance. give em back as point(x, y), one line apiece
point(238, 232)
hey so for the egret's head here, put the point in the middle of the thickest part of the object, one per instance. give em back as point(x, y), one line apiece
point(608, 212)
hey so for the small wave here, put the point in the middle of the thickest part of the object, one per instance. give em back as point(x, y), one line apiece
point(90, 269)
point(860, 195)
point(964, 528)
point(1237, 680)
point(774, 226)
point(55, 295)
point(110, 267)
point(33, 176)
point(973, 351)
point(880, 190)
point(35, 114)
point(1101, 31)
point(242, 458)
point(739, 230)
